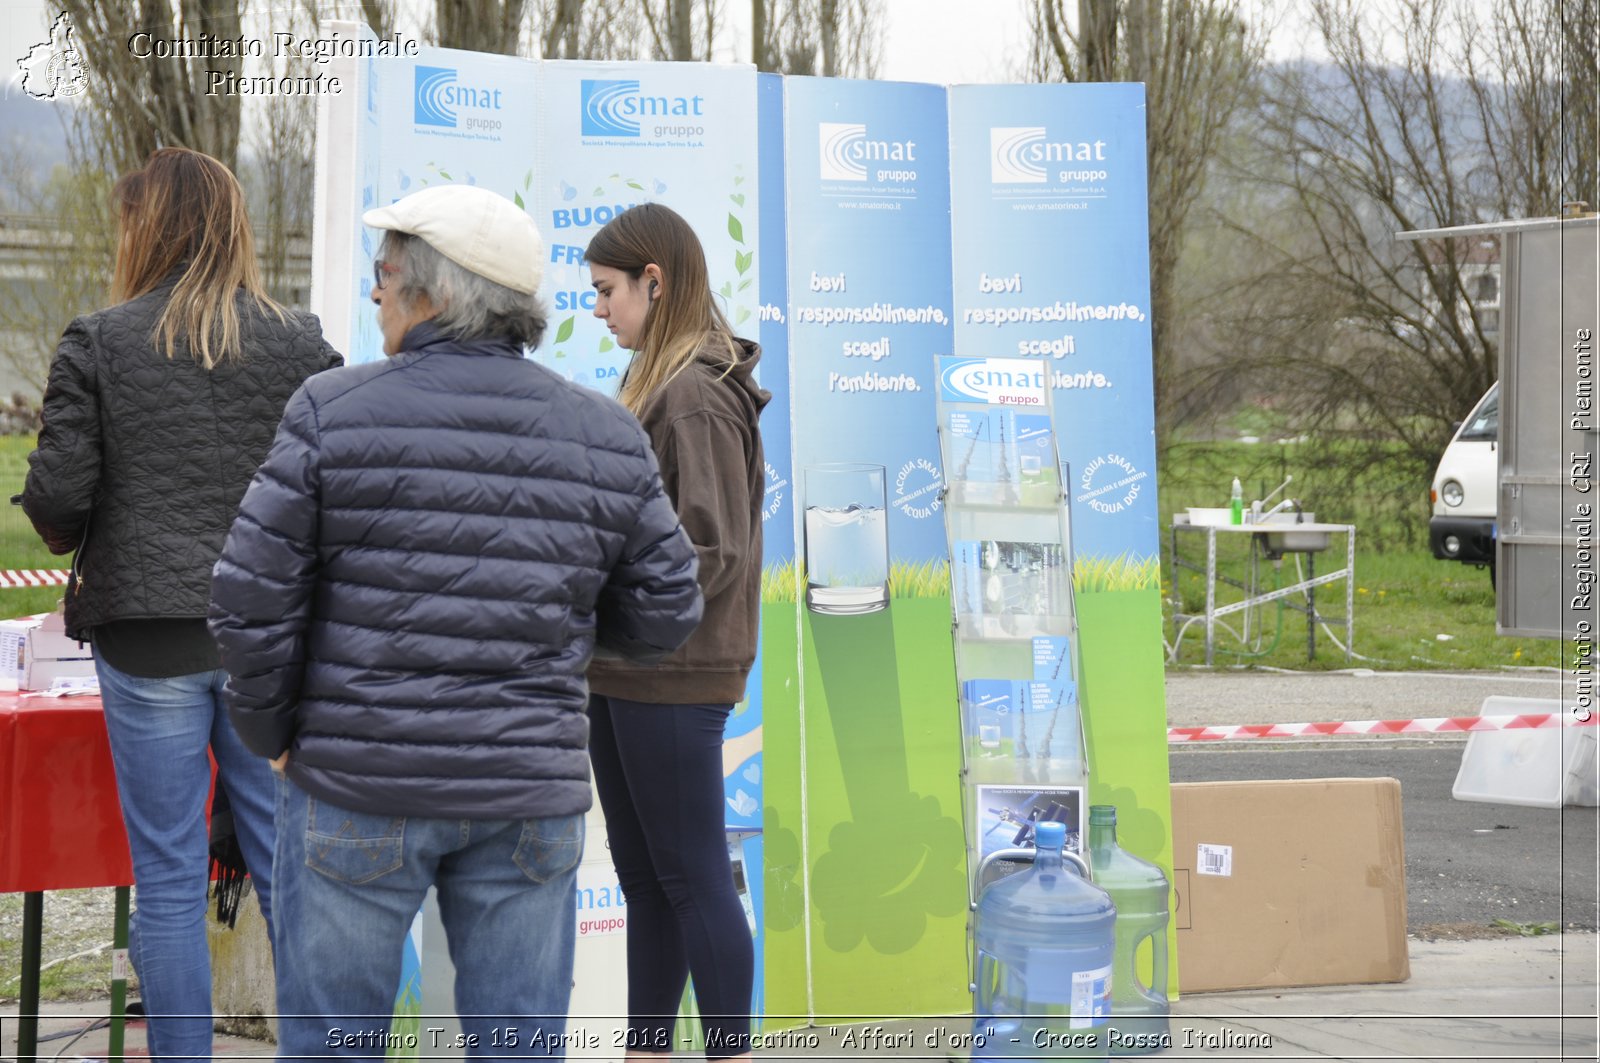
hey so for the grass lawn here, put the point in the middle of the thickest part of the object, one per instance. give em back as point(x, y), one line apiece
point(1411, 611)
point(19, 544)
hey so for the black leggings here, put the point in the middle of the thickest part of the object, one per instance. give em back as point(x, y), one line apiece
point(658, 771)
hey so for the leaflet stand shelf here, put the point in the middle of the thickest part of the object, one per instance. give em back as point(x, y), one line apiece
point(1008, 523)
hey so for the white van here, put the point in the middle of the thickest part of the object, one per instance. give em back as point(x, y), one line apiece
point(1466, 488)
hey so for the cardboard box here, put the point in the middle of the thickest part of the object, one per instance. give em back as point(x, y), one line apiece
point(13, 648)
point(1294, 883)
point(35, 652)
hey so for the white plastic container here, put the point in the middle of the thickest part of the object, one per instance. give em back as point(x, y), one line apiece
point(1209, 515)
point(1542, 766)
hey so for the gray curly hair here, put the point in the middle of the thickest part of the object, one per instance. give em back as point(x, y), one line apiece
point(472, 307)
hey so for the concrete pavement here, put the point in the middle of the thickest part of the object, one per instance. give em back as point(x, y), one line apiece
point(1503, 999)
point(1228, 698)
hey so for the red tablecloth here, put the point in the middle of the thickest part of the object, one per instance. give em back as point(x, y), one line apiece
point(60, 823)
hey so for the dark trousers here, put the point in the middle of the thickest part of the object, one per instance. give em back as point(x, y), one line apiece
point(658, 771)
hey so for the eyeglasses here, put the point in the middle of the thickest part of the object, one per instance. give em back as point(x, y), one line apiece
point(380, 270)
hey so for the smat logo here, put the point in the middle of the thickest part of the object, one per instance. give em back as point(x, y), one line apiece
point(838, 161)
point(439, 96)
point(1021, 155)
point(616, 108)
point(602, 108)
point(845, 154)
point(1011, 160)
point(1009, 382)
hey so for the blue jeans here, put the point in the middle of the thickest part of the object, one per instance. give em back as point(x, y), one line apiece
point(349, 885)
point(160, 730)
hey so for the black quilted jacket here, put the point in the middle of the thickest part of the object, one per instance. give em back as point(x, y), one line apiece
point(422, 569)
point(142, 459)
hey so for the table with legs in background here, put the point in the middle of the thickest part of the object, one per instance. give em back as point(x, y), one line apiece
point(1270, 543)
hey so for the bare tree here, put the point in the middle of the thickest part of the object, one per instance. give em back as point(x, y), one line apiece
point(137, 99)
point(830, 38)
point(679, 30)
point(581, 29)
point(1097, 38)
point(562, 23)
point(1197, 59)
point(1426, 117)
point(378, 15)
point(764, 30)
point(1580, 111)
point(480, 25)
point(140, 100)
point(59, 241)
point(278, 179)
point(1531, 72)
point(549, 29)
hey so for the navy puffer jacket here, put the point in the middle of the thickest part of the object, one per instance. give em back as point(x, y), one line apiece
point(420, 573)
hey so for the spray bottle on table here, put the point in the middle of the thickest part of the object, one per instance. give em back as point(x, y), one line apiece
point(1236, 503)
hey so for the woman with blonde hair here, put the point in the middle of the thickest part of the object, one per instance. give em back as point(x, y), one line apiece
point(656, 731)
point(157, 412)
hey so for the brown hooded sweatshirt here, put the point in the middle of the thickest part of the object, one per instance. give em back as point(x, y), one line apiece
point(703, 426)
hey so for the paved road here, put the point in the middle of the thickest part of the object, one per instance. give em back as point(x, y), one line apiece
point(1205, 699)
point(1466, 862)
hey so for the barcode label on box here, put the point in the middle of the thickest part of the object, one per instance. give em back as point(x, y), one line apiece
point(1214, 859)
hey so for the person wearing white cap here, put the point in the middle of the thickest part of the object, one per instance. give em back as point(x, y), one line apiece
point(436, 546)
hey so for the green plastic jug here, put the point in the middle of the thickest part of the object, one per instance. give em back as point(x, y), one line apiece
point(1139, 1013)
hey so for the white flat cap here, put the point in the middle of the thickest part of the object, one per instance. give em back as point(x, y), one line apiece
point(473, 227)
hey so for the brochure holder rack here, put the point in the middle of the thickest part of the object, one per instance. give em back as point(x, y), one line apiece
point(1015, 623)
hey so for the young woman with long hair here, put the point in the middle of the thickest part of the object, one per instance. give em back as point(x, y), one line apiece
point(656, 737)
point(157, 412)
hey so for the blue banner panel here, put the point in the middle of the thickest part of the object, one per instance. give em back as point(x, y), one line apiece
point(778, 517)
point(613, 135)
point(869, 273)
point(445, 117)
point(869, 308)
point(1050, 216)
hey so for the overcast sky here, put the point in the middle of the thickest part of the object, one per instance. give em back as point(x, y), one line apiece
point(949, 41)
point(924, 40)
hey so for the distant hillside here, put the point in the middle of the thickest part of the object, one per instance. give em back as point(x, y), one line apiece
point(32, 133)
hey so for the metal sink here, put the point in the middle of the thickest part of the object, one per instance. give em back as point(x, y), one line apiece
point(1301, 533)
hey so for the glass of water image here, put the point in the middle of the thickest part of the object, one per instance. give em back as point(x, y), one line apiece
point(847, 539)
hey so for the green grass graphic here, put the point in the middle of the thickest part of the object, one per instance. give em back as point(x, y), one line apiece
point(781, 583)
point(927, 579)
point(405, 1028)
point(1120, 573)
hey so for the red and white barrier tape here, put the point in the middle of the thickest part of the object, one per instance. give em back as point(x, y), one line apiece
point(1434, 725)
point(33, 577)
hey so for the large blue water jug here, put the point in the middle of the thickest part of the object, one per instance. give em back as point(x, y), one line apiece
point(1043, 973)
point(1138, 888)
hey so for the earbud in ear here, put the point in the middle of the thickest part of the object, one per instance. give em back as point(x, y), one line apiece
point(652, 287)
